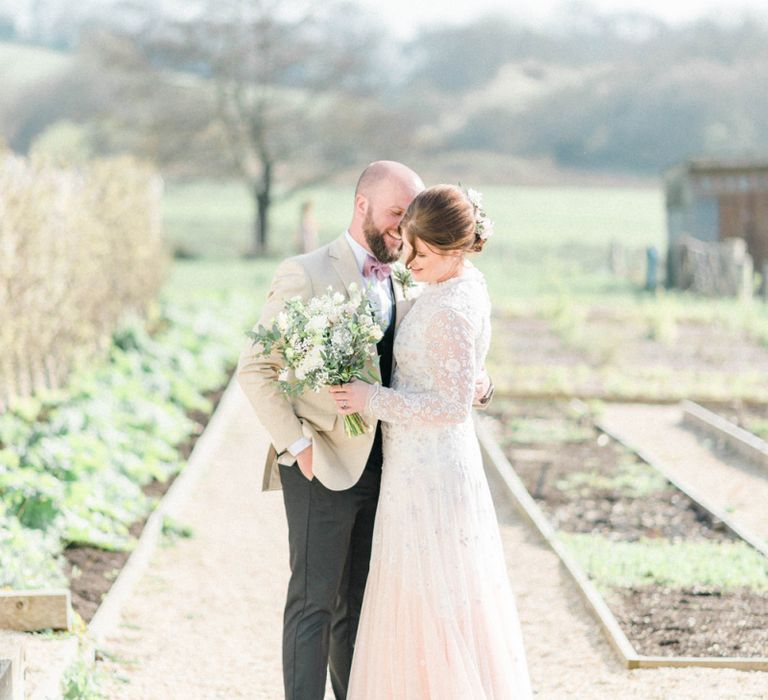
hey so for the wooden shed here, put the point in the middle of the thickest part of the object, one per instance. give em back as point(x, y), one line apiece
point(714, 200)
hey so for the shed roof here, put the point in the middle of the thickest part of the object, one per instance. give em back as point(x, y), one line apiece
point(720, 166)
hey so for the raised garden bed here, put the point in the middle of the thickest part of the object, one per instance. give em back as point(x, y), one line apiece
point(92, 571)
point(677, 581)
point(636, 354)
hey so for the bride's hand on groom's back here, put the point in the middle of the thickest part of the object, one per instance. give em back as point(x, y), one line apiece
point(483, 389)
point(350, 398)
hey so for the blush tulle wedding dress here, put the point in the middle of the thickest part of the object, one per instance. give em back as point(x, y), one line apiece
point(439, 620)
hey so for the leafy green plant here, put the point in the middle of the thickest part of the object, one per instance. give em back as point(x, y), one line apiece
point(173, 529)
point(633, 478)
point(83, 681)
point(72, 464)
point(722, 565)
point(544, 430)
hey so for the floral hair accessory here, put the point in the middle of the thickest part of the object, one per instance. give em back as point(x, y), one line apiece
point(483, 225)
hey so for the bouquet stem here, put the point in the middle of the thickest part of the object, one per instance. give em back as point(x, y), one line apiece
point(354, 425)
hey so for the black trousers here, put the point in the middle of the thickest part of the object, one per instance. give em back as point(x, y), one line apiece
point(329, 536)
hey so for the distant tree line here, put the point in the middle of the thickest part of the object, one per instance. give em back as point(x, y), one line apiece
point(280, 93)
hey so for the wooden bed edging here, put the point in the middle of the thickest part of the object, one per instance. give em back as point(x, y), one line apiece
point(739, 530)
point(107, 616)
point(742, 441)
point(35, 610)
point(594, 600)
point(11, 667)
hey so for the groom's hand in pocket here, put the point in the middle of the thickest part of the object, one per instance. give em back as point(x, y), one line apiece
point(304, 460)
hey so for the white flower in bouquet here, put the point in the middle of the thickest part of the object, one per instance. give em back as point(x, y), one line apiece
point(325, 340)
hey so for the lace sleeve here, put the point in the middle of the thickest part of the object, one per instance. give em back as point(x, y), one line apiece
point(449, 345)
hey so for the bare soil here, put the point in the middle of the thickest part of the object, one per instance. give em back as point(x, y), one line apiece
point(693, 622)
point(659, 621)
point(615, 355)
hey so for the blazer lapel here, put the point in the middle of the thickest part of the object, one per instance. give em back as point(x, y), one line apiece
point(344, 263)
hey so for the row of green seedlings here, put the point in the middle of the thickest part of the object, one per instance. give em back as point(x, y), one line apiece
point(679, 564)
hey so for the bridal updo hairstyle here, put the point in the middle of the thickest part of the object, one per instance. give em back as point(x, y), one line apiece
point(443, 218)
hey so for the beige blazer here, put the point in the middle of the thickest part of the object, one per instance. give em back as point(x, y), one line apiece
point(338, 460)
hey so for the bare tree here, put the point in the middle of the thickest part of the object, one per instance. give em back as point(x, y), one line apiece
point(278, 75)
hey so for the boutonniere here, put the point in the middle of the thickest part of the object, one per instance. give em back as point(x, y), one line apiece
point(403, 276)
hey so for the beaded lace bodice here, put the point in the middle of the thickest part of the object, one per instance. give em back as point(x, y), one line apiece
point(439, 349)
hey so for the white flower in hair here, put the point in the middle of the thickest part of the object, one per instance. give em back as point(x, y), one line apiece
point(483, 225)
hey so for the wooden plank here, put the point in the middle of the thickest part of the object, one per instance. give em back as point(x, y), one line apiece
point(531, 511)
point(11, 666)
point(742, 441)
point(595, 602)
point(31, 611)
point(737, 662)
point(6, 680)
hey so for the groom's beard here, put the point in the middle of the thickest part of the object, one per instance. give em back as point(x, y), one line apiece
point(376, 242)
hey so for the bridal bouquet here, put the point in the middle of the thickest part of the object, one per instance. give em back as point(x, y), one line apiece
point(325, 340)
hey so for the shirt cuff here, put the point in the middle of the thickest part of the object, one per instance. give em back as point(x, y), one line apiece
point(288, 457)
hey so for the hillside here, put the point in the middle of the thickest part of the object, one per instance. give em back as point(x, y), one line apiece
point(21, 66)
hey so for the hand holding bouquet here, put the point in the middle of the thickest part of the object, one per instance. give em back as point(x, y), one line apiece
point(325, 340)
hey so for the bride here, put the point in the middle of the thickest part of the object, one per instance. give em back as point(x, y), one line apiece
point(439, 620)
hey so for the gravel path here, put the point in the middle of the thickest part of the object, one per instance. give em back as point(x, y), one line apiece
point(205, 620)
point(725, 480)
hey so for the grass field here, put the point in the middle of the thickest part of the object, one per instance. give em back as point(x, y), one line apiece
point(215, 218)
point(565, 324)
point(547, 239)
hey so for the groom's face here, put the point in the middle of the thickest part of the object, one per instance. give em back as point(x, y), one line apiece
point(385, 210)
point(385, 243)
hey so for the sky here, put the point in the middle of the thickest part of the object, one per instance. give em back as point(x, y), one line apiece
point(404, 17)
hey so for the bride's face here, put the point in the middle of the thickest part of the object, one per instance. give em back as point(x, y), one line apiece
point(429, 265)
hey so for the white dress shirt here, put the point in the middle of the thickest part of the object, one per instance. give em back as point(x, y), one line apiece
point(380, 294)
point(379, 291)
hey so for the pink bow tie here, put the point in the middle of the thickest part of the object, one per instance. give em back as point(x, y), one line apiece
point(373, 266)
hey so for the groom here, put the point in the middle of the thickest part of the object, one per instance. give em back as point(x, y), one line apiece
point(330, 481)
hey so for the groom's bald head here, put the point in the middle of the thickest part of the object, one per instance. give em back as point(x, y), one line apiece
point(390, 172)
point(383, 193)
